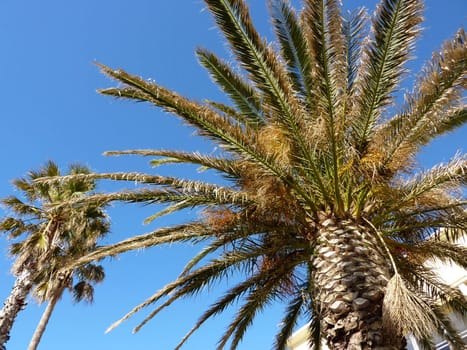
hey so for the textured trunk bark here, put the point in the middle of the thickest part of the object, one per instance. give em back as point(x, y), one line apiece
point(15, 302)
point(40, 329)
point(351, 275)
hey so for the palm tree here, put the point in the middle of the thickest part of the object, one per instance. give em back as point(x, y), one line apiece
point(86, 229)
point(54, 234)
point(322, 205)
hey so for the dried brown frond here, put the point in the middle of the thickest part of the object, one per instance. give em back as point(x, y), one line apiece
point(406, 312)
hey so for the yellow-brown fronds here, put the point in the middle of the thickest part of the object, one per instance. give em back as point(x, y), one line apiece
point(275, 143)
point(219, 219)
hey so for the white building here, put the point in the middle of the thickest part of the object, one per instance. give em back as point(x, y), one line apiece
point(451, 274)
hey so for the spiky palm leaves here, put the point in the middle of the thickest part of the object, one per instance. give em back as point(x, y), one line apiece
point(48, 233)
point(321, 206)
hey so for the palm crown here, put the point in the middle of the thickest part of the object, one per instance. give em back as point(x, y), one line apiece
point(47, 234)
point(322, 206)
point(54, 234)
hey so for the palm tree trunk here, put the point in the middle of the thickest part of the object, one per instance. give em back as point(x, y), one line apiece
point(40, 329)
point(15, 302)
point(351, 275)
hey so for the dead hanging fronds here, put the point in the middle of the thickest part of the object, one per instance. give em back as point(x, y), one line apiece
point(406, 312)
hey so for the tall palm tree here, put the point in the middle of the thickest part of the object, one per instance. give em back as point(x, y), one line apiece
point(323, 205)
point(54, 234)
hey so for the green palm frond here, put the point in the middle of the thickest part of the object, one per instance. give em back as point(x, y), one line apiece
point(441, 251)
point(230, 297)
point(233, 19)
point(433, 108)
point(229, 111)
point(355, 30)
point(228, 167)
point(394, 30)
point(326, 40)
point(441, 177)
point(90, 272)
point(83, 291)
point(294, 48)
point(208, 122)
point(171, 183)
point(256, 300)
point(187, 284)
point(202, 194)
point(20, 207)
point(289, 321)
point(179, 233)
point(235, 138)
point(245, 98)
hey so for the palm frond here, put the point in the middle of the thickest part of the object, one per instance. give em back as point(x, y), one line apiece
point(186, 186)
point(433, 107)
point(290, 319)
point(313, 311)
point(19, 207)
point(355, 30)
point(220, 305)
point(230, 167)
point(394, 30)
point(423, 278)
point(199, 194)
point(242, 94)
point(255, 301)
point(83, 291)
point(187, 284)
point(208, 122)
point(233, 137)
point(405, 311)
point(233, 19)
point(178, 233)
point(443, 176)
point(177, 206)
point(444, 252)
point(211, 248)
point(294, 48)
point(15, 227)
point(229, 111)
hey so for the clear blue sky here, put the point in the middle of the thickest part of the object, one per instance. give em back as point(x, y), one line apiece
point(49, 110)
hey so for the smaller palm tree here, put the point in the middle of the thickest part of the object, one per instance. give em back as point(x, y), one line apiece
point(54, 234)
